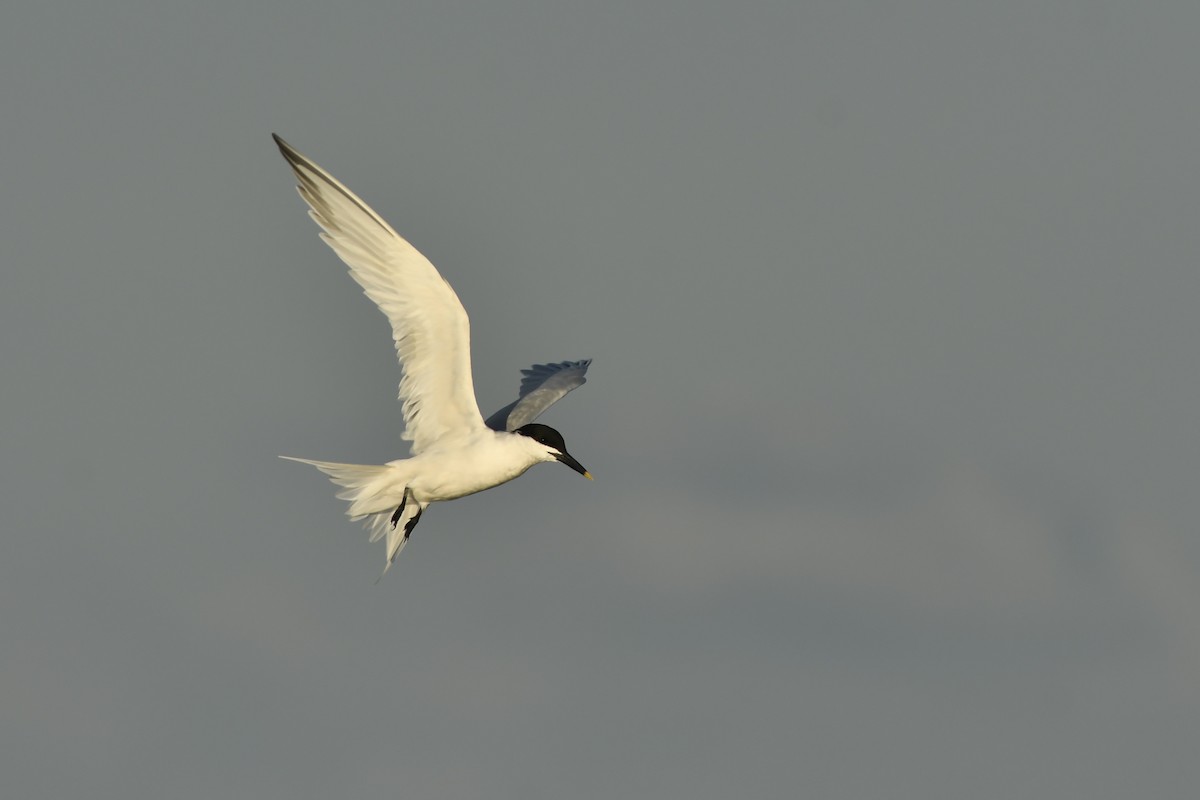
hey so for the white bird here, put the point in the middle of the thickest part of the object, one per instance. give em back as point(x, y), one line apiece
point(454, 451)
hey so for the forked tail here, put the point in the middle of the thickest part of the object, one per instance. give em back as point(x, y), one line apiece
point(375, 497)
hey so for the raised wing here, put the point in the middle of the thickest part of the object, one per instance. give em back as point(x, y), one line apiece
point(543, 386)
point(430, 327)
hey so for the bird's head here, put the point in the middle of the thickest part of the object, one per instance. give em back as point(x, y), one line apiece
point(551, 441)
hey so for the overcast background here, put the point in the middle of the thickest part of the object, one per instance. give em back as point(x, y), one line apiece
point(893, 414)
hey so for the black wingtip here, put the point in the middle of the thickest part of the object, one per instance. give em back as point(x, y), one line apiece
point(285, 148)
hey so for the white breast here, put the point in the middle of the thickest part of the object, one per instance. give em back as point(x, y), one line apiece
point(484, 460)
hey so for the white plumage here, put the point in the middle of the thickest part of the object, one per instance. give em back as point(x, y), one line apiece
point(454, 453)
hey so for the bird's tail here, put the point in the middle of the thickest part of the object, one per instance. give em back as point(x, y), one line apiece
point(375, 496)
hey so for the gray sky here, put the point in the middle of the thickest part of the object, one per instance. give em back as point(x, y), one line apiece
point(893, 414)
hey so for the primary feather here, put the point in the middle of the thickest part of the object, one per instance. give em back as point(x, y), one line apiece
point(429, 325)
point(542, 386)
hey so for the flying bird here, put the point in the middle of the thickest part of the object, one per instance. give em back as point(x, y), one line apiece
point(454, 451)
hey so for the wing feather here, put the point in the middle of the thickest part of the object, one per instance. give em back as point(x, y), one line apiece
point(542, 386)
point(429, 325)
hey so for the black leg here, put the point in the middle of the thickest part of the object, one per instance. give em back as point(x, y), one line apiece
point(399, 511)
point(412, 523)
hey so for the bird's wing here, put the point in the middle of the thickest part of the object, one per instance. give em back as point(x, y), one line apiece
point(429, 325)
point(543, 386)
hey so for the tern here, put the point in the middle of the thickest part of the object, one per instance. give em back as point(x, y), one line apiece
point(454, 451)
